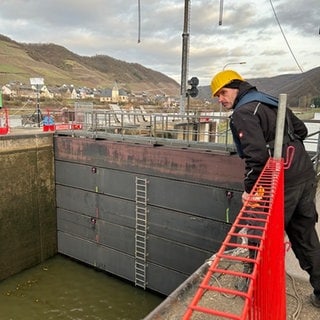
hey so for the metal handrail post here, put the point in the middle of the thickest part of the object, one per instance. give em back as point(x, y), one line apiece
point(281, 115)
point(317, 155)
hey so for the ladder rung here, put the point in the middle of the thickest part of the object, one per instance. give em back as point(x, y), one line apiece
point(140, 273)
point(140, 248)
point(141, 208)
point(139, 251)
point(141, 216)
point(141, 242)
point(141, 233)
point(141, 238)
point(140, 280)
point(141, 266)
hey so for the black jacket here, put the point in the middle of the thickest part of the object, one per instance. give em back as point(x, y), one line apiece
point(254, 124)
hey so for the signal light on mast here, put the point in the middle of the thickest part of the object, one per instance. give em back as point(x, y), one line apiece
point(193, 91)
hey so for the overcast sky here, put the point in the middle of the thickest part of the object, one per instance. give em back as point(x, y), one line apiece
point(249, 32)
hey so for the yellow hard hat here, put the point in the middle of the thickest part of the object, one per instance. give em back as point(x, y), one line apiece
point(223, 78)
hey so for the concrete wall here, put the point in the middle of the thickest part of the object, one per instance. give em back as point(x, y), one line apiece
point(27, 201)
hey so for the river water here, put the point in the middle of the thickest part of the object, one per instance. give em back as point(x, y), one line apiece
point(61, 288)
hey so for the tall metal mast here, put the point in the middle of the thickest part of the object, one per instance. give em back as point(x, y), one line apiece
point(185, 55)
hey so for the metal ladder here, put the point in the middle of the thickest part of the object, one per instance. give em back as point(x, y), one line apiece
point(141, 233)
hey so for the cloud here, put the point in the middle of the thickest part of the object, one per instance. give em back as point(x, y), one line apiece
point(249, 32)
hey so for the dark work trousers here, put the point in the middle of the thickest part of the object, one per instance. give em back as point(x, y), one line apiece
point(300, 219)
point(254, 234)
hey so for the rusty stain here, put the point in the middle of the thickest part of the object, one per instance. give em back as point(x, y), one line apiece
point(187, 164)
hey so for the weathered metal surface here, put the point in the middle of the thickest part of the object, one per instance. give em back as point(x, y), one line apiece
point(188, 164)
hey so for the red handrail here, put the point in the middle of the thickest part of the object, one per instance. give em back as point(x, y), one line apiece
point(262, 216)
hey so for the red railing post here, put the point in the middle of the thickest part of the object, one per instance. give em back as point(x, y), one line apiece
point(4, 121)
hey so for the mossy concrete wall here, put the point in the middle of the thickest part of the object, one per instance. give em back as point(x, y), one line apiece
point(27, 201)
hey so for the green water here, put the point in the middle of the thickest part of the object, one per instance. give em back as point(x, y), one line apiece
point(61, 288)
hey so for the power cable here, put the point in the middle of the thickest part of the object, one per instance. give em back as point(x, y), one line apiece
point(294, 57)
point(296, 296)
point(282, 32)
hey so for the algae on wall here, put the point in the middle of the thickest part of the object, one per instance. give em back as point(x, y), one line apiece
point(27, 209)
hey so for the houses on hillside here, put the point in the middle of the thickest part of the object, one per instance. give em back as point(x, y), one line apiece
point(17, 89)
point(115, 95)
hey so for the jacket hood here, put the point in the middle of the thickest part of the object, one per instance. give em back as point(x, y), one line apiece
point(244, 88)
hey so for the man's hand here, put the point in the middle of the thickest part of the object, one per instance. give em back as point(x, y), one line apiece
point(245, 196)
point(254, 200)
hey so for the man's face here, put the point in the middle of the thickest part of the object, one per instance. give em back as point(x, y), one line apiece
point(227, 96)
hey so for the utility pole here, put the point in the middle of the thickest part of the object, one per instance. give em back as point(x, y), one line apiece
point(185, 56)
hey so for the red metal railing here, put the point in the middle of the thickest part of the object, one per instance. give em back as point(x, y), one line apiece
point(262, 218)
point(4, 121)
point(55, 120)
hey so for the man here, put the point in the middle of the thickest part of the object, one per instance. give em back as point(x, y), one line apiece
point(253, 124)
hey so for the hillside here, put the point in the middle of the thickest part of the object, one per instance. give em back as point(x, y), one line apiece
point(57, 65)
point(301, 88)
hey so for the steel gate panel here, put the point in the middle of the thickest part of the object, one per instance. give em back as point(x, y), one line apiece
point(75, 175)
point(111, 209)
point(199, 232)
point(76, 200)
point(162, 279)
point(201, 200)
point(77, 248)
point(98, 179)
point(98, 231)
point(99, 256)
point(174, 255)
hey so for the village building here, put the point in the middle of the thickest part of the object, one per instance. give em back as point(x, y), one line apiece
point(114, 95)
